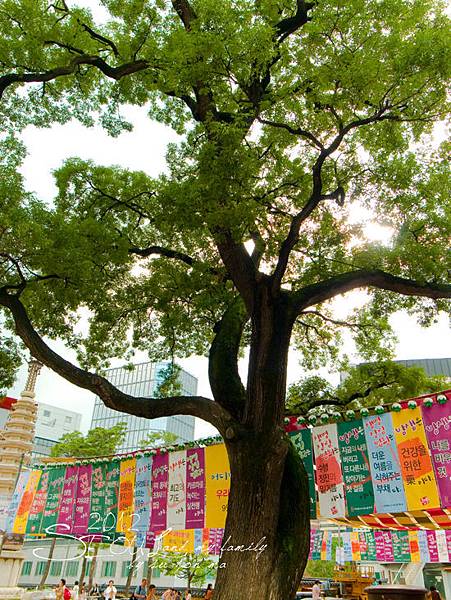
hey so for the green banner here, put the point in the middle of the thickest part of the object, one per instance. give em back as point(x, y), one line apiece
point(302, 441)
point(38, 506)
point(54, 496)
point(370, 545)
point(97, 514)
point(112, 474)
point(401, 546)
point(317, 544)
point(356, 468)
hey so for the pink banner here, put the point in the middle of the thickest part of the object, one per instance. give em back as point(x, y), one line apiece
point(388, 546)
point(65, 516)
point(160, 479)
point(448, 543)
point(437, 424)
point(432, 546)
point(380, 546)
point(195, 489)
point(83, 501)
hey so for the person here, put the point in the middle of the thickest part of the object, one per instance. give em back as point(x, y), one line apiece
point(75, 591)
point(110, 591)
point(141, 590)
point(178, 595)
point(316, 590)
point(167, 595)
point(151, 592)
point(82, 592)
point(61, 591)
point(188, 594)
point(434, 593)
point(95, 590)
point(208, 592)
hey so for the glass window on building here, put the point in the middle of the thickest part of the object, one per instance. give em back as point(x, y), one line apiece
point(156, 572)
point(72, 568)
point(55, 568)
point(40, 567)
point(108, 568)
point(26, 567)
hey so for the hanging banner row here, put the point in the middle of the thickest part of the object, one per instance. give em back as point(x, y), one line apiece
point(387, 463)
point(381, 546)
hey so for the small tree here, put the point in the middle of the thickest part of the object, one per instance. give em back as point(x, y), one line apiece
point(367, 384)
point(194, 568)
point(155, 439)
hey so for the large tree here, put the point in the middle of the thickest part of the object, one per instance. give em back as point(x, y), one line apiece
point(302, 124)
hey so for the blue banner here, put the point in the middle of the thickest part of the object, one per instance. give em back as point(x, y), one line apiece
point(143, 493)
point(15, 500)
point(384, 464)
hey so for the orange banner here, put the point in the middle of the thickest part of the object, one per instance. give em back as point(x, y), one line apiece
point(217, 479)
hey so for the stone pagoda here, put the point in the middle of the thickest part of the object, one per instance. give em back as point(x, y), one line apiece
point(16, 443)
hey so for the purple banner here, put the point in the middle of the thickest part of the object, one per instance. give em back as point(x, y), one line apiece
point(388, 546)
point(437, 424)
point(195, 489)
point(160, 478)
point(65, 521)
point(432, 546)
point(380, 546)
point(448, 542)
point(82, 501)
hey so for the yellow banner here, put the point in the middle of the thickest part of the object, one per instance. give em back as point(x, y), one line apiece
point(217, 480)
point(355, 545)
point(20, 522)
point(179, 541)
point(414, 544)
point(126, 500)
point(416, 466)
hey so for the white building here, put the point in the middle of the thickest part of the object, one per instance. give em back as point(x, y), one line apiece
point(53, 422)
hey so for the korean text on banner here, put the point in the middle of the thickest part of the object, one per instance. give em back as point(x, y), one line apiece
point(302, 441)
point(126, 504)
point(356, 469)
point(414, 546)
point(112, 481)
point(65, 517)
point(384, 464)
point(143, 493)
point(329, 477)
point(38, 506)
point(54, 497)
point(217, 479)
point(437, 424)
point(15, 500)
point(195, 488)
point(416, 466)
point(176, 506)
point(401, 547)
point(82, 501)
point(159, 492)
point(20, 522)
point(97, 513)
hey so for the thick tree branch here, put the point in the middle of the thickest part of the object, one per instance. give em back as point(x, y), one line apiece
point(95, 61)
point(294, 131)
point(161, 251)
point(325, 290)
point(286, 27)
point(149, 408)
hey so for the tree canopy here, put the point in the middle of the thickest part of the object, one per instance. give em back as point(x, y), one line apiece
point(97, 442)
point(194, 568)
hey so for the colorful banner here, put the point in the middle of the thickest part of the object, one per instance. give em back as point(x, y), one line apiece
point(112, 481)
point(217, 478)
point(347, 546)
point(178, 541)
point(195, 489)
point(416, 466)
point(384, 464)
point(432, 546)
point(437, 424)
point(370, 545)
point(317, 543)
point(20, 522)
point(355, 546)
point(329, 478)
point(82, 501)
point(65, 516)
point(160, 465)
point(302, 441)
point(401, 546)
point(356, 469)
point(414, 546)
point(38, 505)
point(442, 546)
point(54, 497)
point(126, 504)
point(97, 512)
point(176, 505)
point(143, 494)
point(423, 549)
point(16, 498)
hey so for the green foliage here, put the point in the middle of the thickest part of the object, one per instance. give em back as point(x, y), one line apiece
point(155, 439)
point(97, 442)
point(372, 71)
point(169, 383)
point(195, 568)
point(366, 385)
point(322, 569)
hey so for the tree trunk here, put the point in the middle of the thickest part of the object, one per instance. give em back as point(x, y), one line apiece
point(47, 566)
point(149, 567)
point(131, 569)
point(92, 568)
point(83, 569)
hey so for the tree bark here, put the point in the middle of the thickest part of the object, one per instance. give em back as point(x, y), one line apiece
point(47, 566)
point(131, 570)
point(83, 570)
point(92, 568)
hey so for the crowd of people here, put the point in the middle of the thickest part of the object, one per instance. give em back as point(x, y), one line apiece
point(143, 591)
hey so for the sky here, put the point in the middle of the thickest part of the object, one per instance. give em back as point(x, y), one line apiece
point(144, 149)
